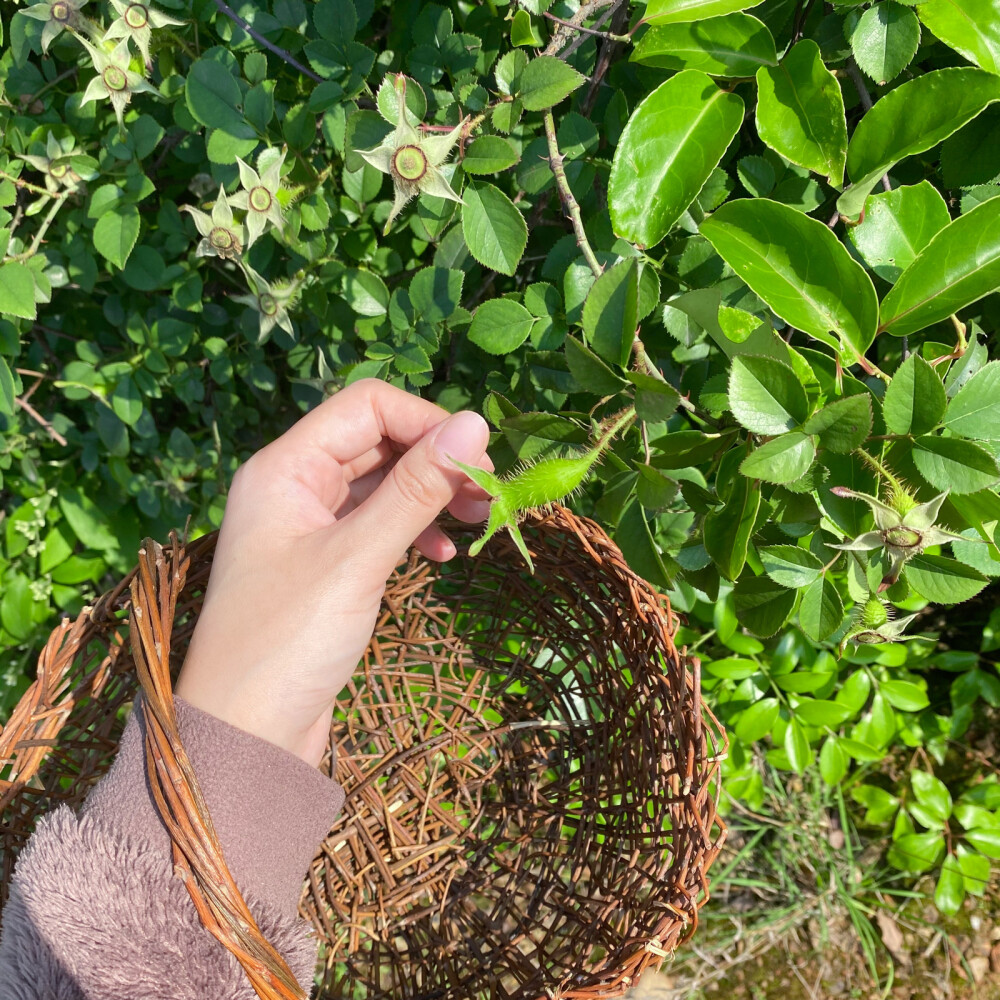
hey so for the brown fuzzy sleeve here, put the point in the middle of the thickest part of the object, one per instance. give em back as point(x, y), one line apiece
point(96, 911)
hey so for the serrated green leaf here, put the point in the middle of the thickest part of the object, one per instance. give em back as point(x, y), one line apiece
point(897, 225)
point(885, 39)
point(974, 412)
point(815, 134)
point(610, 312)
point(959, 266)
point(589, 371)
point(727, 531)
point(655, 400)
point(116, 233)
point(669, 148)
point(546, 81)
point(915, 399)
point(762, 606)
point(800, 269)
point(726, 46)
point(821, 613)
point(495, 231)
point(489, 154)
point(942, 580)
point(790, 565)
point(17, 290)
point(784, 459)
point(214, 99)
point(636, 541)
point(843, 425)
point(765, 395)
point(955, 465)
point(500, 326)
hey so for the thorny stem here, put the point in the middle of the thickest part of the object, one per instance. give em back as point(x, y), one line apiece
point(27, 185)
point(257, 36)
point(563, 33)
point(588, 31)
point(569, 201)
point(39, 419)
point(57, 203)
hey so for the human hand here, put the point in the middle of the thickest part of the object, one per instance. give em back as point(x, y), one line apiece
point(314, 525)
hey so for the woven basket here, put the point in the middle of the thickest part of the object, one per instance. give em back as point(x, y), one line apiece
point(531, 774)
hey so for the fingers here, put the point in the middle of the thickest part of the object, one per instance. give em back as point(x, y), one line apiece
point(417, 488)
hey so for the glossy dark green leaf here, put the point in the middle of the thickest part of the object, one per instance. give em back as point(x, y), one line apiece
point(670, 146)
point(800, 755)
point(974, 412)
point(932, 793)
point(885, 39)
point(756, 721)
point(912, 118)
point(959, 266)
point(762, 606)
point(950, 889)
point(800, 269)
point(17, 289)
point(214, 98)
point(765, 395)
point(917, 852)
point(915, 400)
point(971, 27)
point(842, 425)
point(904, 695)
point(942, 580)
point(680, 11)
point(832, 761)
point(819, 712)
point(727, 532)
point(727, 46)
point(898, 224)
point(955, 465)
point(800, 112)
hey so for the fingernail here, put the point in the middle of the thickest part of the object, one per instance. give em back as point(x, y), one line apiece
point(463, 436)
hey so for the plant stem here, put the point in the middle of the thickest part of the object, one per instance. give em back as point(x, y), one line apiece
point(588, 31)
point(854, 72)
point(39, 419)
point(258, 37)
point(27, 185)
point(43, 228)
point(569, 201)
point(564, 31)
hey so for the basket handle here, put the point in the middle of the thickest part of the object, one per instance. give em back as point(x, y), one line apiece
point(198, 860)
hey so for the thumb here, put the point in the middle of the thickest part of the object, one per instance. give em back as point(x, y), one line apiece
point(418, 487)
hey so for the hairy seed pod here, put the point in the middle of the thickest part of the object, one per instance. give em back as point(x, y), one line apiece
point(548, 481)
point(873, 614)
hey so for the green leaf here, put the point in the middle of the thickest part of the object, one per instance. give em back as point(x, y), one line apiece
point(885, 39)
point(524, 31)
point(214, 99)
point(916, 852)
point(790, 565)
point(783, 459)
point(8, 391)
point(915, 399)
point(842, 425)
point(800, 269)
point(897, 225)
point(436, 292)
point(821, 613)
point(500, 326)
point(489, 154)
point(126, 401)
point(904, 695)
point(17, 290)
point(116, 233)
point(955, 465)
point(682, 11)
point(942, 580)
point(959, 266)
point(366, 292)
point(733, 669)
point(589, 371)
point(655, 400)
point(818, 712)
point(985, 841)
point(797, 747)
point(971, 27)
point(495, 231)
point(727, 46)
point(654, 490)
point(975, 871)
point(756, 721)
point(17, 606)
point(974, 412)
point(610, 313)
point(762, 606)
point(765, 395)
point(88, 520)
point(832, 761)
point(636, 541)
point(726, 532)
point(932, 794)
point(546, 81)
point(950, 891)
point(800, 112)
point(669, 148)
point(911, 119)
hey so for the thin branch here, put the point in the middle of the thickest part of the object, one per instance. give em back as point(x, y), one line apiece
point(569, 201)
point(854, 72)
point(38, 418)
point(258, 37)
point(57, 203)
point(588, 31)
point(564, 32)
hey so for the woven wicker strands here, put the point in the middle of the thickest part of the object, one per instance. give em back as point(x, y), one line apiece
point(531, 775)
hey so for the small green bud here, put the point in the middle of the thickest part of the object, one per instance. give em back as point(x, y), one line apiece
point(873, 614)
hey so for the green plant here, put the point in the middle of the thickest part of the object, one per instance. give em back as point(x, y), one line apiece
point(571, 216)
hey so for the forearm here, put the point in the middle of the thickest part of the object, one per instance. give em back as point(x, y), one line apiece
point(96, 910)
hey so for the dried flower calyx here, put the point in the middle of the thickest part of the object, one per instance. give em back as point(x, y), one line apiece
point(58, 16)
point(136, 21)
point(221, 235)
point(412, 160)
point(904, 528)
point(259, 197)
point(116, 80)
